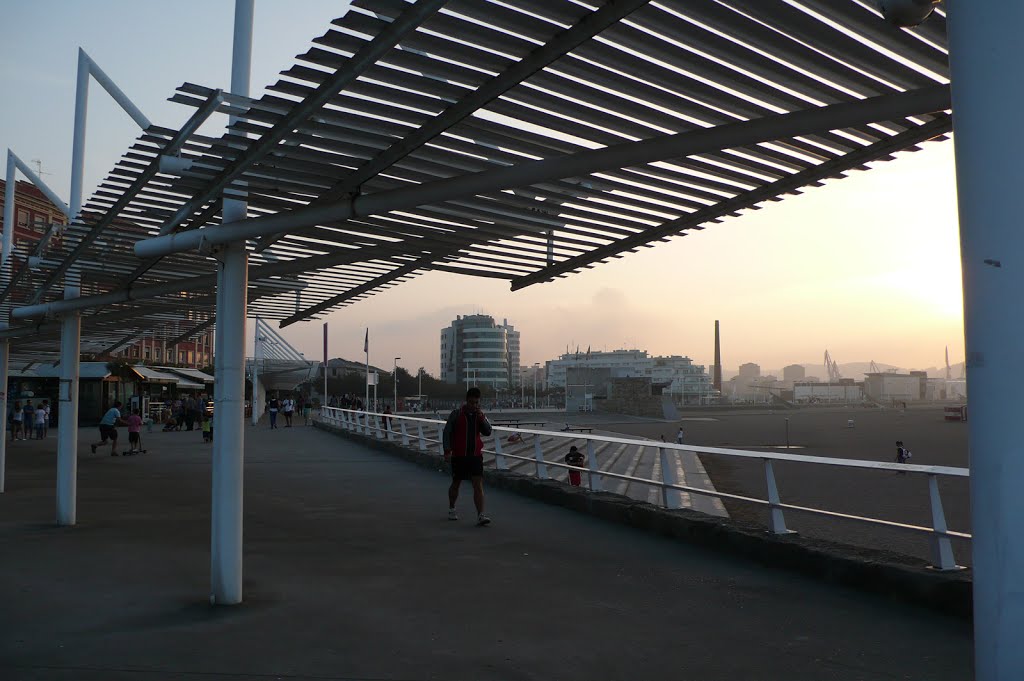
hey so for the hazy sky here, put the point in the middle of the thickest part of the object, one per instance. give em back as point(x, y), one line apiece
point(867, 267)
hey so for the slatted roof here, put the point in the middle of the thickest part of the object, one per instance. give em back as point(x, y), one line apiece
point(520, 140)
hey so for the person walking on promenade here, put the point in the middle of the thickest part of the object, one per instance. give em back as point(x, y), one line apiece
point(575, 458)
point(46, 424)
point(902, 453)
point(307, 412)
point(463, 448)
point(272, 406)
point(387, 417)
point(679, 436)
point(17, 417)
point(288, 407)
point(29, 418)
point(108, 429)
point(40, 416)
point(188, 405)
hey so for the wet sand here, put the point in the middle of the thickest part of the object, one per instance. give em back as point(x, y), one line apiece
point(824, 432)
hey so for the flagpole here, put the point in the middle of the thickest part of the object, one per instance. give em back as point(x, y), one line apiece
point(326, 399)
point(366, 349)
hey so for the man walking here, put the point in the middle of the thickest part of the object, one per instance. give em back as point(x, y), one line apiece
point(463, 447)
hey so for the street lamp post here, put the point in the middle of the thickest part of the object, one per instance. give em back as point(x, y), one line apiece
point(394, 376)
point(536, 368)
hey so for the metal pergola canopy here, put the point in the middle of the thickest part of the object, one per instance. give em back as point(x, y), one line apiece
point(522, 141)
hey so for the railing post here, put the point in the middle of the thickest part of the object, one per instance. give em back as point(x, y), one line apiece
point(542, 469)
point(594, 478)
point(499, 458)
point(423, 440)
point(942, 548)
point(776, 521)
point(440, 440)
point(669, 497)
point(378, 427)
point(405, 434)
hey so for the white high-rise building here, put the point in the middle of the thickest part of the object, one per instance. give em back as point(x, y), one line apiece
point(475, 350)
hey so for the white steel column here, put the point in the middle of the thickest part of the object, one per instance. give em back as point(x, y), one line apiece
point(78, 141)
point(257, 403)
point(229, 412)
point(5, 252)
point(12, 177)
point(5, 347)
point(71, 327)
point(229, 430)
point(67, 411)
point(985, 46)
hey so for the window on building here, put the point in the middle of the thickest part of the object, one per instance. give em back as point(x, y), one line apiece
point(159, 353)
point(146, 352)
point(181, 356)
point(191, 357)
point(22, 218)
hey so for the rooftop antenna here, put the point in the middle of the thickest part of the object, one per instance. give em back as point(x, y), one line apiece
point(39, 167)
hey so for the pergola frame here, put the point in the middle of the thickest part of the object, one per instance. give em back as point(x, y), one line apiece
point(525, 142)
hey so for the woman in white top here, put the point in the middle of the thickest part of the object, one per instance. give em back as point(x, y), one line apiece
point(40, 422)
point(288, 407)
point(17, 417)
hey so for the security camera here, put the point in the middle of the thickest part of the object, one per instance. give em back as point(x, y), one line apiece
point(904, 13)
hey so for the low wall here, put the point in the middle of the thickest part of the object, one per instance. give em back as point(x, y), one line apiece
point(876, 571)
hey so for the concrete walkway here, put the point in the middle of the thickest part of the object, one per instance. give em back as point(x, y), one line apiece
point(353, 572)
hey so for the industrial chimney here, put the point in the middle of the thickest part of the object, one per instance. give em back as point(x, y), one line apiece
point(716, 381)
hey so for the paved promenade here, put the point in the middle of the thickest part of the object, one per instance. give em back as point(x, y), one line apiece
point(353, 572)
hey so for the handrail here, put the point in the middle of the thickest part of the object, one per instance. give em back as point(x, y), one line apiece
point(940, 534)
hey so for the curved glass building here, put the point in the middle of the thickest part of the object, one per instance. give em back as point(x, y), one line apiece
point(475, 350)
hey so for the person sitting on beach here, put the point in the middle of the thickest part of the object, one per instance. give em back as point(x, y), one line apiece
point(902, 453)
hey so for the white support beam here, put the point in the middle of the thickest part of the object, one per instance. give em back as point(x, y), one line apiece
point(229, 368)
point(87, 67)
point(985, 45)
point(71, 331)
point(5, 351)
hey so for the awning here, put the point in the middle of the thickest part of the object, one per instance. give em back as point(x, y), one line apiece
point(191, 375)
point(151, 375)
point(86, 370)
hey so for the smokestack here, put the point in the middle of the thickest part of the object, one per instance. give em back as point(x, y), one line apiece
point(716, 381)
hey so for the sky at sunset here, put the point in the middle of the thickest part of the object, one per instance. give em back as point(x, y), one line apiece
point(867, 267)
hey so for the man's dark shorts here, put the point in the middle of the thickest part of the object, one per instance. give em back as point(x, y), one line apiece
point(108, 433)
point(466, 467)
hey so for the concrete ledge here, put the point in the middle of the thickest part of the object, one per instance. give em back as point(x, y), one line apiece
point(899, 577)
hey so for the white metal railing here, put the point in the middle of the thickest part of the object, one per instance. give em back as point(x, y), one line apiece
point(428, 433)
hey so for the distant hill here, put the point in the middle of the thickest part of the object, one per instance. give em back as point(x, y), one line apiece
point(856, 370)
